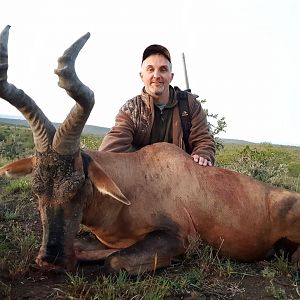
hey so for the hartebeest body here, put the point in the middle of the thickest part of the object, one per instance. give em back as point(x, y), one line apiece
point(144, 207)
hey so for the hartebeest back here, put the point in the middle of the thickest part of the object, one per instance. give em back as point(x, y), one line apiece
point(144, 207)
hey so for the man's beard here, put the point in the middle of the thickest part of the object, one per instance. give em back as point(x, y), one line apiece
point(155, 92)
point(158, 93)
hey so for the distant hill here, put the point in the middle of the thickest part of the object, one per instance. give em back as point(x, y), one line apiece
point(234, 141)
point(88, 129)
point(97, 130)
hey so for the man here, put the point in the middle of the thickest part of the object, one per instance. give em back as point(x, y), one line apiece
point(153, 116)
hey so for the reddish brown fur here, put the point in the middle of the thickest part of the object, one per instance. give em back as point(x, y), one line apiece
point(21, 167)
point(218, 203)
point(169, 192)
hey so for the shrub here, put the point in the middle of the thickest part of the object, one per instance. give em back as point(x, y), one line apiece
point(15, 142)
point(266, 165)
point(91, 142)
point(22, 184)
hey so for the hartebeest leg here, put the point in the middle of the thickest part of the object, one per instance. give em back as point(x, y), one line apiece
point(154, 252)
point(91, 250)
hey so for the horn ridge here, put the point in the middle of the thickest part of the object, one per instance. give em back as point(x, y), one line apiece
point(67, 138)
point(42, 129)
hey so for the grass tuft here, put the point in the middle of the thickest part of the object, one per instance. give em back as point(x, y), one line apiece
point(5, 290)
point(19, 185)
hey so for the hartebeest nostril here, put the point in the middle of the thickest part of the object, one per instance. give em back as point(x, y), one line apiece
point(54, 253)
point(54, 259)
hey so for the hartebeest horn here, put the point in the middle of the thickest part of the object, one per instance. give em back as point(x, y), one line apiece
point(67, 138)
point(42, 129)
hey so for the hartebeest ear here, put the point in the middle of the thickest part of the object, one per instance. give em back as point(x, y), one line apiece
point(18, 168)
point(104, 183)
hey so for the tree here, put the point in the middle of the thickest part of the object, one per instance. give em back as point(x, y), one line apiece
point(216, 124)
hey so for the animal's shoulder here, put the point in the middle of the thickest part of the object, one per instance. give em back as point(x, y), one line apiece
point(163, 149)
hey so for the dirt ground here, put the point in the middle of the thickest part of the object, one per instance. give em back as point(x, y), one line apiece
point(36, 284)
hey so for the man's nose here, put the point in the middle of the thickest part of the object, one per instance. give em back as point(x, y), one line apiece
point(156, 74)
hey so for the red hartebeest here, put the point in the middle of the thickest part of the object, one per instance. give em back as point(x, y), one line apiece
point(144, 207)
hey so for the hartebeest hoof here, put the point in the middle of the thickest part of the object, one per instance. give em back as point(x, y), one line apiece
point(155, 251)
point(134, 265)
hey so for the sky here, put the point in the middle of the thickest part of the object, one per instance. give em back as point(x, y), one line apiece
point(242, 56)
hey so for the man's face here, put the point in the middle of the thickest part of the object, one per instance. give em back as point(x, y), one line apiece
point(156, 75)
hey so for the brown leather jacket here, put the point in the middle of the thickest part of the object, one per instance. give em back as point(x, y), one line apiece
point(134, 122)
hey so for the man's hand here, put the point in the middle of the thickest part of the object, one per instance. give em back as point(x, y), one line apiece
point(201, 161)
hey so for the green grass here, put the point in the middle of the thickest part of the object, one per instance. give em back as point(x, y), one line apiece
point(184, 278)
point(15, 142)
point(284, 155)
point(200, 272)
point(91, 142)
point(276, 165)
point(18, 247)
point(18, 221)
point(118, 286)
point(22, 184)
point(277, 268)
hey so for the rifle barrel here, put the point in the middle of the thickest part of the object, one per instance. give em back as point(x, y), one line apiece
point(185, 72)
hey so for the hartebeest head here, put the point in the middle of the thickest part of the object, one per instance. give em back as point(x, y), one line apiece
point(59, 171)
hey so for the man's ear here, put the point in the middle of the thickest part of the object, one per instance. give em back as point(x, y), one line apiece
point(172, 76)
point(18, 168)
point(141, 76)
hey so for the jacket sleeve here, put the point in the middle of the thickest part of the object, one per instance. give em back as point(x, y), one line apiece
point(120, 136)
point(201, 139)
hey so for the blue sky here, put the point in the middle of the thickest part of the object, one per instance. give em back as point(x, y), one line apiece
point(242, 56)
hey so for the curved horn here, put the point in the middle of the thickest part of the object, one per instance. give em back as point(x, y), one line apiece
point(42, 129)
point(67, 138)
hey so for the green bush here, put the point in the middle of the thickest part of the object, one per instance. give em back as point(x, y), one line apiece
point(266, 165)
point(91, 142)
point(15, 142)
point(22, 184)
point(294, 170)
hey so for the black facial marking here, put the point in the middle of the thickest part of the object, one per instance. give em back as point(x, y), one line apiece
point(55, 240)
point(86, 159)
